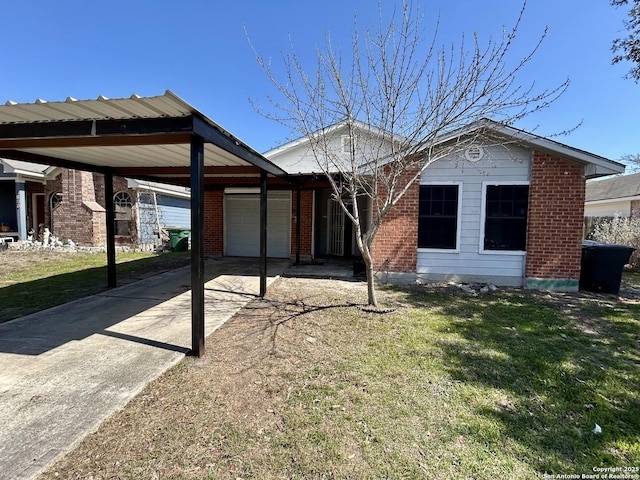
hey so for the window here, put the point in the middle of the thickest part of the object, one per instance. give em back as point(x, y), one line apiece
point(438, 217)
point(346, 144)
point(54, 202)
point(505, 226)
point(122, 208)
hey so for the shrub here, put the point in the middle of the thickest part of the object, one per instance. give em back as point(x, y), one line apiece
point(619, 230)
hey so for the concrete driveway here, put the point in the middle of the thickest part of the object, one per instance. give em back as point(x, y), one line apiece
point(66, 369)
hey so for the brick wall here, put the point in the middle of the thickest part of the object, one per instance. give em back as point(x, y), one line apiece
point(81, 216)
point(635, 208)
point(213, 221)
point(70, 220)
point(306, 221)
point(395, 246)
point(555, 222)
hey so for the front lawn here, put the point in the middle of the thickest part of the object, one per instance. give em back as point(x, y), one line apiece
point(33, 280)
point(305, 384)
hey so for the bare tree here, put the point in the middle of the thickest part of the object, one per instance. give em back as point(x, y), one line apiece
point(394, 98)
point(632, 162)
point(628, 48)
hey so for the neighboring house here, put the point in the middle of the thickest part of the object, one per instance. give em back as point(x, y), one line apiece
point(70, 203)
point(618, 196)
point(508, 213)
point(157, 206)
point(22, 197)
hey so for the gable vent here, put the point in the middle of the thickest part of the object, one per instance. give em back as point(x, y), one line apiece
point(473, 154)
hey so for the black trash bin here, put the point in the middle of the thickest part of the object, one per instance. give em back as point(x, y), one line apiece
point(602, 265)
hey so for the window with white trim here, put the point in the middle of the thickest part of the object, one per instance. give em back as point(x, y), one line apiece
point(505, 219)
point(346, 143)
point(438, 216)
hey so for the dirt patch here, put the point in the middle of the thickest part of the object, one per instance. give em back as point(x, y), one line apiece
point(189, 422)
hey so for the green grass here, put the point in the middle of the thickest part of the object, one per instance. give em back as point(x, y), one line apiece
point(35, 280)
point(458, 387)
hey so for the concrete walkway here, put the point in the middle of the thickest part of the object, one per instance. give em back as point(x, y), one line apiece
point(66, 369)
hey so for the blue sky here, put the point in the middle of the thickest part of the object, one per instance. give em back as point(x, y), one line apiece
point(198, 49)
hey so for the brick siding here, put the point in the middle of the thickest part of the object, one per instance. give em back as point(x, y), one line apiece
point(555, 221)
point(81, 216)
point(306, 221)
point(214, 221)
point(395, 246)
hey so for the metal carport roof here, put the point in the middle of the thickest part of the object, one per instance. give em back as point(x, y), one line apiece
point(161, 138)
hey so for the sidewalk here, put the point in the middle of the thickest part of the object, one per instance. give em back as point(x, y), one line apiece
point(66, 369)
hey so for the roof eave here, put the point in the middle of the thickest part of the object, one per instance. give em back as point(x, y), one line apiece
point(595, 165)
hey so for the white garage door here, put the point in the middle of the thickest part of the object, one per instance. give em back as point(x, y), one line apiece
point(243, 224)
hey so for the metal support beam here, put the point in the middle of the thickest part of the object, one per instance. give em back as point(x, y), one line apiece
point(111, 230)
point(263, 233)
point(298, 226)
point(197, 246)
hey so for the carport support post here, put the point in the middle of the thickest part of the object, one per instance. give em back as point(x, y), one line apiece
point(197, 246)
point(111, 229)
point(263, 233)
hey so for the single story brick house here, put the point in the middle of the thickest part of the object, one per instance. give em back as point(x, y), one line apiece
point(507, 212)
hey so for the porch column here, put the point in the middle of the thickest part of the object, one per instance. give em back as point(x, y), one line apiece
point(197, 246)
point(21, 210)
point(263, 233)
point(110, 230)
point(298, 225)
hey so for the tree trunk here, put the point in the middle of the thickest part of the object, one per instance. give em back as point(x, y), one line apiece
point(368, 265)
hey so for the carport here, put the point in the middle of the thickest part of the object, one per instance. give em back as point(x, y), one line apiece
point(160, 138)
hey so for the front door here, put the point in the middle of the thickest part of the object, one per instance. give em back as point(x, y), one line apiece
point(38, 211)
point(335, 237)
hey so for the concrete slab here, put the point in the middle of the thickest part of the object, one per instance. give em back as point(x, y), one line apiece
point(66, 369)
point(324, 268)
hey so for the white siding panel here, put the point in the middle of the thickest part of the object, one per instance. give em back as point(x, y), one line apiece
point(470, 264)
point(174, 211)
point(500, 165)
point(609, 209)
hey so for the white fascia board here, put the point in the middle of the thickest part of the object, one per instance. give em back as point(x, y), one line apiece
point(596, 165)
point(52, 172)
point(612, 200)
point(156, 188)
point(26, 175)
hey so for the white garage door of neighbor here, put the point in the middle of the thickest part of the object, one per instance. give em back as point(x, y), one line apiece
point(243, 224)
